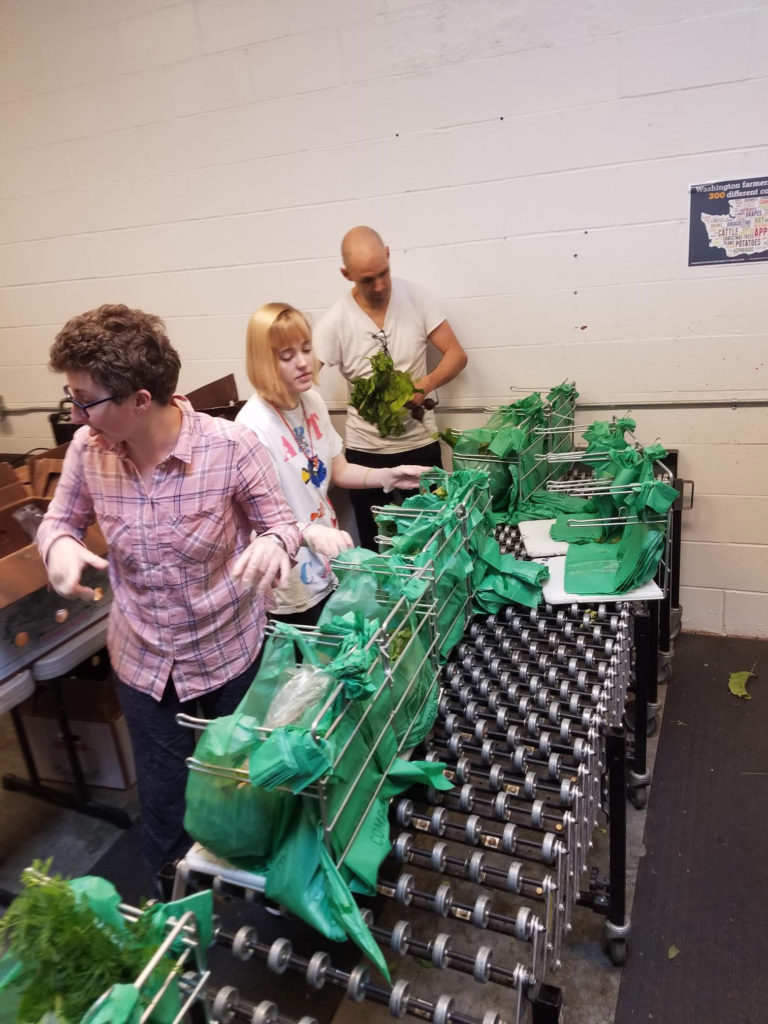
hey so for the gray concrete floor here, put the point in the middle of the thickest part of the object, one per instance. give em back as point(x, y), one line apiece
point(31, 829)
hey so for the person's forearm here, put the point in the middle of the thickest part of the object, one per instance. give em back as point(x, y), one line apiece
point(450, 366)
point(355, 478)
point(70, 511)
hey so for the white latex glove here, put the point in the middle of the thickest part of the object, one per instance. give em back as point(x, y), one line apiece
point(66, 560)
point(405, 478)
point(324, 540)
point(264, 564)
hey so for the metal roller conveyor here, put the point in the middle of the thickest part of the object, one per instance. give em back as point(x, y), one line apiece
point(475, 831)
point(530, 706)
point(319, 971)
point(542, 688)
point(535, 814)
point(458, 745)
point(482, 966)
point(519, 711)
point(476, 867)
point(546, 687)
point(580, 750)
point(525, 926)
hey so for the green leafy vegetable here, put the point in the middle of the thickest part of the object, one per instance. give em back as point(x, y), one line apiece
point(68, 955)
point(382, 399)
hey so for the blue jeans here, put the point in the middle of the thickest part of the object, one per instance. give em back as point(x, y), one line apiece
point(160, 748)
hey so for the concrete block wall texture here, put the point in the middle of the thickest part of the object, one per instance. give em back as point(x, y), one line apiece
point(530, 162)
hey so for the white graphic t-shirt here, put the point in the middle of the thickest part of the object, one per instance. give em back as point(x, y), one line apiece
point(302, 444)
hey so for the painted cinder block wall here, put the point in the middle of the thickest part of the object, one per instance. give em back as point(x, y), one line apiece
point(528, 161)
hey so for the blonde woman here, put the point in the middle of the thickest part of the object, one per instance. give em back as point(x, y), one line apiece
point(291, 420)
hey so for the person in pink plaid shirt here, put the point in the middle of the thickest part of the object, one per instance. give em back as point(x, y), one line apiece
point(198, 532)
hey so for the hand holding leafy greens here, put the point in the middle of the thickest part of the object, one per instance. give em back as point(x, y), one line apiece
point(383, 398)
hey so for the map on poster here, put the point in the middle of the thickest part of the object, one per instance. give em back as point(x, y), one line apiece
point(728, 222)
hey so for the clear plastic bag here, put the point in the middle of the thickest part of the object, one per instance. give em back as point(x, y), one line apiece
point(302, 693)
point(29, 518)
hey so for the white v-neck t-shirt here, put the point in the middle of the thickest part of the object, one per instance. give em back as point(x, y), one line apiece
point(346, 337)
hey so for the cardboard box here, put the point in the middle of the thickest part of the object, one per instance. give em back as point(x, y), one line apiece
point(104, 749)
point(97, 723)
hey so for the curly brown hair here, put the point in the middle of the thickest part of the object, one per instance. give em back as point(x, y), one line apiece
point(123, 349)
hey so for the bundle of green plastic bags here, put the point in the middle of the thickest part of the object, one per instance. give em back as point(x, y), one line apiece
point(345, 741)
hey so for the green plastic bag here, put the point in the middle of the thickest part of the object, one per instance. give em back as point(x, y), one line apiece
point(120, 1005)
point(615, 568)
point(367, 581)
point(229, 816)
point(499, 580)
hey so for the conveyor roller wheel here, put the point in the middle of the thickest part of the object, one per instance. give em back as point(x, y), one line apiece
point(265, 1013)
point(443, 1010)
point(242, 944)
point(441, 950)
point(443, 900)
point(359, 979)
point(482, 966)
point(317, 968)
point(279, 955)
point(225, 1004)
point(481, 911)
point(401, 937)
point(398, 999)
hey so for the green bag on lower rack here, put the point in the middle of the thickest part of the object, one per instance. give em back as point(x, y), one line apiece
point(615, 568)
point(280, 834)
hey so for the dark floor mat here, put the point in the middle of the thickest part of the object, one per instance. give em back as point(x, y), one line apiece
point(702, 888)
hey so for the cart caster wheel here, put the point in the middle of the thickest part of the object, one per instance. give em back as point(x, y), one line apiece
point(664, 674)
point(629, 720)
point(617, 951)
point(639, 798)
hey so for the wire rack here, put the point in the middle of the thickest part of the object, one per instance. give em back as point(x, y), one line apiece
point(584, 485)
point(465, 530)
point(526, 470)
point(403, 653)
point(176, 970)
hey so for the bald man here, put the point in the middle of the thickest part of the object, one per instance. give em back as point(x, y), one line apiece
point(403, 319)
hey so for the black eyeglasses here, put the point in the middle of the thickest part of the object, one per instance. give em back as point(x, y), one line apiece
point(382, 338)
point(84, 406)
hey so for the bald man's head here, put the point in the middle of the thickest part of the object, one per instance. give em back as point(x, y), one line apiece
point(366, 265)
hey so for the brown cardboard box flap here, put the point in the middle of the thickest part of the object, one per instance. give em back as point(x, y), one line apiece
point(45, 470)
point(21, 568)
point(11, 493)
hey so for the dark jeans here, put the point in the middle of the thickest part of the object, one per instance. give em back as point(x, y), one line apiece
point(160, 747)
point(363, 500)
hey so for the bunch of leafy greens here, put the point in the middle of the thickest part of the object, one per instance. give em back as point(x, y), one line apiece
point(69, 956)
point(381, 399)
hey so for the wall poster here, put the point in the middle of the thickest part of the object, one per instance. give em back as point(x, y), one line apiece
point(728, 222)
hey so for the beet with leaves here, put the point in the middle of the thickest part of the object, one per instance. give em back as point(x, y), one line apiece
point(382, 399)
